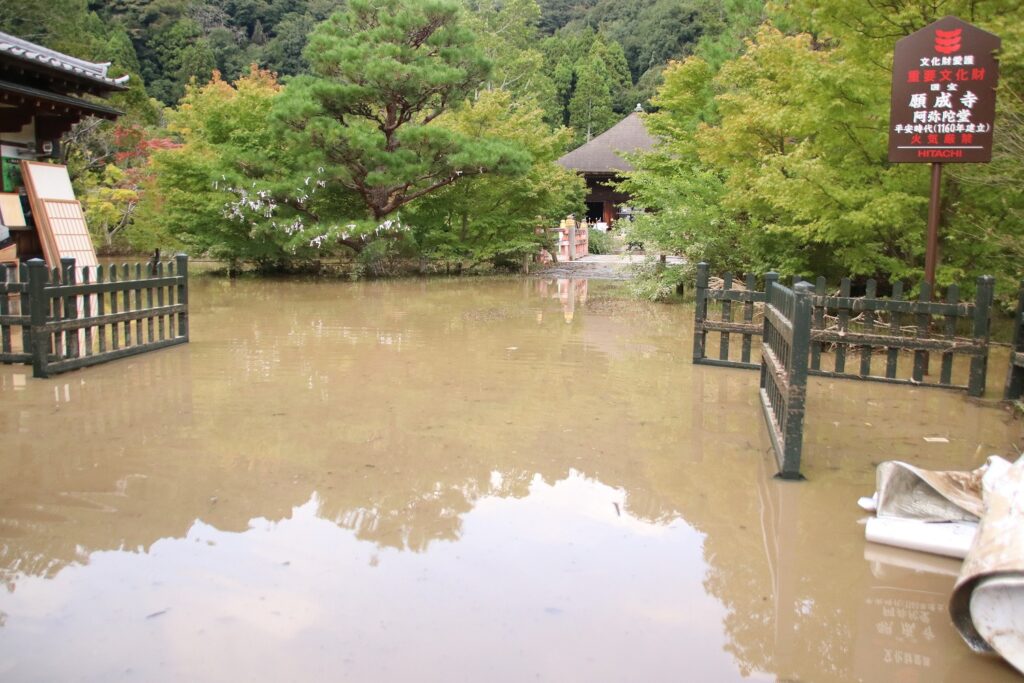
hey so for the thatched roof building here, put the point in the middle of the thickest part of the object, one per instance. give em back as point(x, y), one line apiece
point(600, 162)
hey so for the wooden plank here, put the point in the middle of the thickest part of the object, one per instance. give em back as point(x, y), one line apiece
point(946, 374)
point(64, 325)
point(13, 320)
point(922, 331)
point(859, 305)
point(742, 328)
point(87, 314)
point(101, 330)
point(160, 301)
point(735, 295)
point(700, 313)
point(26, 334)
point(138, 303)
point(895, 330)
point(727, 363)
point(817, 323)
point(127, 304)
point(114, 285)
point(748, 317)
point(5, 312)
point(150, 325)
point(842, 302)
point(978, 371)
point(871, 292)
point(723, 342)
point(886, 380)
point(960, 345)
point(77, 363)
point(70, 308)
point(780, 322)
point(115, 337)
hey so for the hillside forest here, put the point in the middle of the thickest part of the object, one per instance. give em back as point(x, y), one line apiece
point(285, 133)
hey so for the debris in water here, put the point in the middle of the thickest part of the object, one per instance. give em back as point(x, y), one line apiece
point(936, 439)
point(154, 615)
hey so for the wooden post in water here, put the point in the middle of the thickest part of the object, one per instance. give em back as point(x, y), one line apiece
point(789, 467)
point(982, 319)
point(182, 272)
point(701, 312)
point(37, 278)
point(69, 307)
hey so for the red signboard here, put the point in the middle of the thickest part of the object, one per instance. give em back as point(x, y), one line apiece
point(944, 94)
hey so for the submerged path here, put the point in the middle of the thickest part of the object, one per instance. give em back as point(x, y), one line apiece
point(601, 266)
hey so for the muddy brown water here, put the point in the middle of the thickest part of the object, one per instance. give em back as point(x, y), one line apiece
point(460, 480)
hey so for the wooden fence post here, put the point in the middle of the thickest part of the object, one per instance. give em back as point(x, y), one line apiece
point(26, 334)
point(982, 320)
point(1015, 378)
point(69, 307)
point(37, 279)
point(701, 312)
point(797, 401)
point(182, 272)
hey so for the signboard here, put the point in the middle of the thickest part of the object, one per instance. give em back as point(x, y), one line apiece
point(944, 94)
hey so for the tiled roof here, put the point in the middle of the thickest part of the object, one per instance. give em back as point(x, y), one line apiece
point(39, 55)
point(601, 155)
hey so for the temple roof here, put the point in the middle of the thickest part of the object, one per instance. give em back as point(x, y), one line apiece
point(601, 155)
point(49, 64)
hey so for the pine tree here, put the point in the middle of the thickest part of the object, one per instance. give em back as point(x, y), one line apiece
point(258, 37)
point(382, 73)
point(590, 110)
point(620, 81)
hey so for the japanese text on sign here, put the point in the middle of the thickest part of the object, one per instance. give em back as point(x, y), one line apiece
point(943, 94)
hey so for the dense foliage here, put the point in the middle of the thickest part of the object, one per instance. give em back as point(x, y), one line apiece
point(284, 131)
point(776, 158)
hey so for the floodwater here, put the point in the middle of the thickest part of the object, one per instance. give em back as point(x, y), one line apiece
point(460, 480)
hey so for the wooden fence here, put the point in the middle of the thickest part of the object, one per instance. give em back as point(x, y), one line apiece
point(784, 353)
point(808, 331)
point(15, 342)
point(1015, 378)
point(864, 330)
point(71, 318)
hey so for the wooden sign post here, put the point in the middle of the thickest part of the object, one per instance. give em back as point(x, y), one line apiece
point(943, 106)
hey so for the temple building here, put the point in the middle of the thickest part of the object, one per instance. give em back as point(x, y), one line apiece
point(42, 95)
point(601, 164)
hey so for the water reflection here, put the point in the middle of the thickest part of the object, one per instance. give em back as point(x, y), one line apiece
point(441, 479)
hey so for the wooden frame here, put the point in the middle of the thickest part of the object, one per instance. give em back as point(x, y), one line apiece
point(58, 216)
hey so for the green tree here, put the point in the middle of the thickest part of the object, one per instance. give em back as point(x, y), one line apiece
point(782, 154)
point(620, 81)
point(507, 34)
point(227, 140)
point(283, 54)
point(590, 109)
point(488, 218)
point(383, 72)
point(197, 62)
